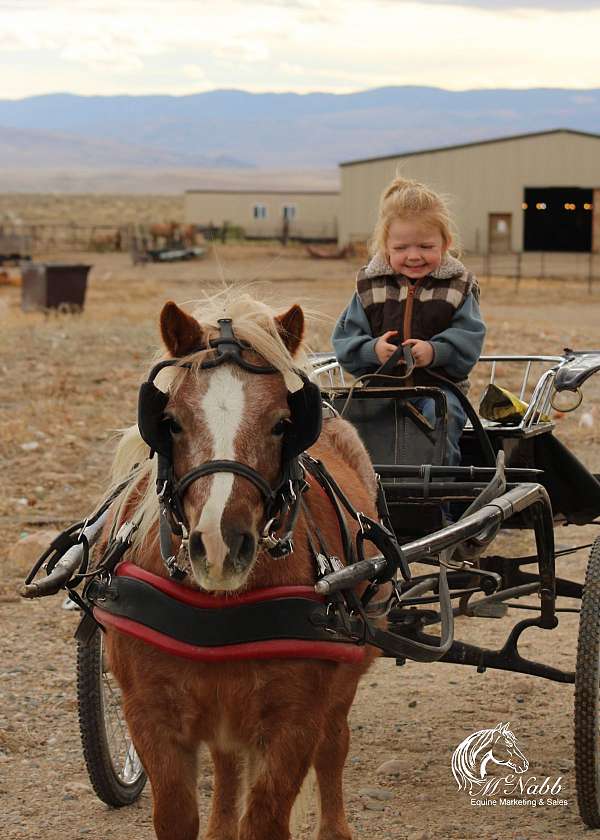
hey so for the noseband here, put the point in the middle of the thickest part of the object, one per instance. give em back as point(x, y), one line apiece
point(281, 503)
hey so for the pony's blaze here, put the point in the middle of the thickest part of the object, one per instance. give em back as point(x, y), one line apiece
point(221, 551)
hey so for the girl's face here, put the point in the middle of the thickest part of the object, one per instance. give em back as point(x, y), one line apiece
point(414, 248)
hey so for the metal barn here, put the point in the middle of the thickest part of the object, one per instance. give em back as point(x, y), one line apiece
point(531, 192)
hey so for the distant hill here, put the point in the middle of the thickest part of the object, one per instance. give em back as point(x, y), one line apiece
point(235, 129)
point(29, 148)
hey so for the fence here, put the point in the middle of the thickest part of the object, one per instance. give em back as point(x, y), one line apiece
point(583, 266)
point(27, 239)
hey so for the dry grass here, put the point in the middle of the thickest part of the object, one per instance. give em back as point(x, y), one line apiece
point(70, 381)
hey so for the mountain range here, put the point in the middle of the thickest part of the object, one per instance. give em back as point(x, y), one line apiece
point(234, 129)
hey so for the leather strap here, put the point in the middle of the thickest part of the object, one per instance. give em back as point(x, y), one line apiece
point(211, 467)
point(400, 353)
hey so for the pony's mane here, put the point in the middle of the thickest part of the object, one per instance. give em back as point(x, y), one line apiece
point(254, 323)
point(465, 757)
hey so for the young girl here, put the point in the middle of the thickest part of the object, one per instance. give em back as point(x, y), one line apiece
point(413, 292)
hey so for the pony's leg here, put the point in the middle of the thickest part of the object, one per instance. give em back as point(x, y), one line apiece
point(172, 768)
point(329, 760)
point(223, 823)
point(277, 772)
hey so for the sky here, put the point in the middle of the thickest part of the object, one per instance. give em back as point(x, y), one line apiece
point(187, 46)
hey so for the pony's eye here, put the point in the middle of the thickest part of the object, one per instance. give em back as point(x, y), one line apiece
point(173, 425)
point(280, 427)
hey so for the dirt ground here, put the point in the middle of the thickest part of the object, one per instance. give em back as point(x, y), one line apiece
point(70, 381)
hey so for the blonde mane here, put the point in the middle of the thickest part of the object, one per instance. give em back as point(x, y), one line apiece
point(254, 323)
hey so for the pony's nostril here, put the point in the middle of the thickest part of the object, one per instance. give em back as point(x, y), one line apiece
point(247, 547)
point(242, 547)
point(196, 546)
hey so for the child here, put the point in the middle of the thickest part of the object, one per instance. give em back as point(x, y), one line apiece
point(415, 293)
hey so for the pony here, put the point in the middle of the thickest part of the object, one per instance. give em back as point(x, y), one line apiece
point(471, 757)
point(266, 722)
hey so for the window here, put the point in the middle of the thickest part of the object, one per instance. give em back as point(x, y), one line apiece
point(289, 212)
point(259, 211)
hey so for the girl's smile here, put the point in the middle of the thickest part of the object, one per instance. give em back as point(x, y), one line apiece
point(414, 249)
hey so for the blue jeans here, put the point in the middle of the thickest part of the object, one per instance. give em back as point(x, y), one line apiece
point(456, 423)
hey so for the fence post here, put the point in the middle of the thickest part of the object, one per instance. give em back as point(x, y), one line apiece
point(518, 271)
point(590, 271)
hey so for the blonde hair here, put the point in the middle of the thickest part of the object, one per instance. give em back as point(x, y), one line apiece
point(407, 199)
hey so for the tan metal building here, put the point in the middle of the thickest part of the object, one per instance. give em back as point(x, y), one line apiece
point(531, 192)
point(307, 215)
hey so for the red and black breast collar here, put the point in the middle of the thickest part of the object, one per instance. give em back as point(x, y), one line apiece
point(283, 622)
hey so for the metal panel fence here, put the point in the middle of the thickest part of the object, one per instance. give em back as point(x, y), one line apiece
point(537, 264)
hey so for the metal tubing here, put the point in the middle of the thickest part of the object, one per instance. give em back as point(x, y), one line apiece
point(350, 576)
point(503, 595)
point(473, 473)
point(524, 383)
point(515, 500)
point(67, 565)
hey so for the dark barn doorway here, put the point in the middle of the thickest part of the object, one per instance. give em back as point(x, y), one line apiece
point(557, 219)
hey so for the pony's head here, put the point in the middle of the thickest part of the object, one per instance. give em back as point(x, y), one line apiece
point(238, 411)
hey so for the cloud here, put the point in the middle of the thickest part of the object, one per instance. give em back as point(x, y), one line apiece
point(143, 46)
point(512, 5)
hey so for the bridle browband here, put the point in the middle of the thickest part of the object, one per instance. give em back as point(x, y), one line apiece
point(281, 502)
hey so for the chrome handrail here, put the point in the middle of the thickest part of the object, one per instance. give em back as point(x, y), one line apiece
point(539, 405)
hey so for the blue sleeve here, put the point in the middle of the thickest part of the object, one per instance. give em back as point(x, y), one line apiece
point(353, 344)
point(458, 347)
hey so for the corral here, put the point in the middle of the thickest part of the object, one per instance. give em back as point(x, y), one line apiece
point(70, 380)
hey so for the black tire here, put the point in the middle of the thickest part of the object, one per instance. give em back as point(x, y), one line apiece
point(113, 766)
point(587, 696)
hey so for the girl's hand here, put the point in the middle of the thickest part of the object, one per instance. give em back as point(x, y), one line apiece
point(422, 351)
point(383, 348)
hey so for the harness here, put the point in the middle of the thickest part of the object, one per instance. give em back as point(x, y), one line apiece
point(281, 502)
point(314, 622)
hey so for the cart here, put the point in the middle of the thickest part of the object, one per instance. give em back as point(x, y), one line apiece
point(445, 519)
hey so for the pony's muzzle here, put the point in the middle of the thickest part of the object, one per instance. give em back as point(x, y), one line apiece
point(223, 561)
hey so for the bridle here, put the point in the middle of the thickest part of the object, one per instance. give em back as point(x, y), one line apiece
point(281, 503)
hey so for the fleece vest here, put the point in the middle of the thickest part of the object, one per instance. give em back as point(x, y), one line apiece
point(415, 308)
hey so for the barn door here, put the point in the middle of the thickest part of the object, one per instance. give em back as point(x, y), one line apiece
point(500, 233)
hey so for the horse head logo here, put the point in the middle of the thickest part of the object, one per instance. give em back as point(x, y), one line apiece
point(472, 756)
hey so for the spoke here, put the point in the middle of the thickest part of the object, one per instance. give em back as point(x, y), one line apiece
point(124, 757)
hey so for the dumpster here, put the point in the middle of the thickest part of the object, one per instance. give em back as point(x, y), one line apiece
point(54, 286)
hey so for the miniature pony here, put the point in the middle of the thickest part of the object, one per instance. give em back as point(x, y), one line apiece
point(266, 723)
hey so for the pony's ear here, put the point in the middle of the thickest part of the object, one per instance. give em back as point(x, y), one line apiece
point(181, 333)
point(290, 326)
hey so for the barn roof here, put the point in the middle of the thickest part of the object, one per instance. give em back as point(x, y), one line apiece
point(472, 144)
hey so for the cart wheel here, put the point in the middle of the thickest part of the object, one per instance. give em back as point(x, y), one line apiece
point(587, 696)
point(114, 768)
